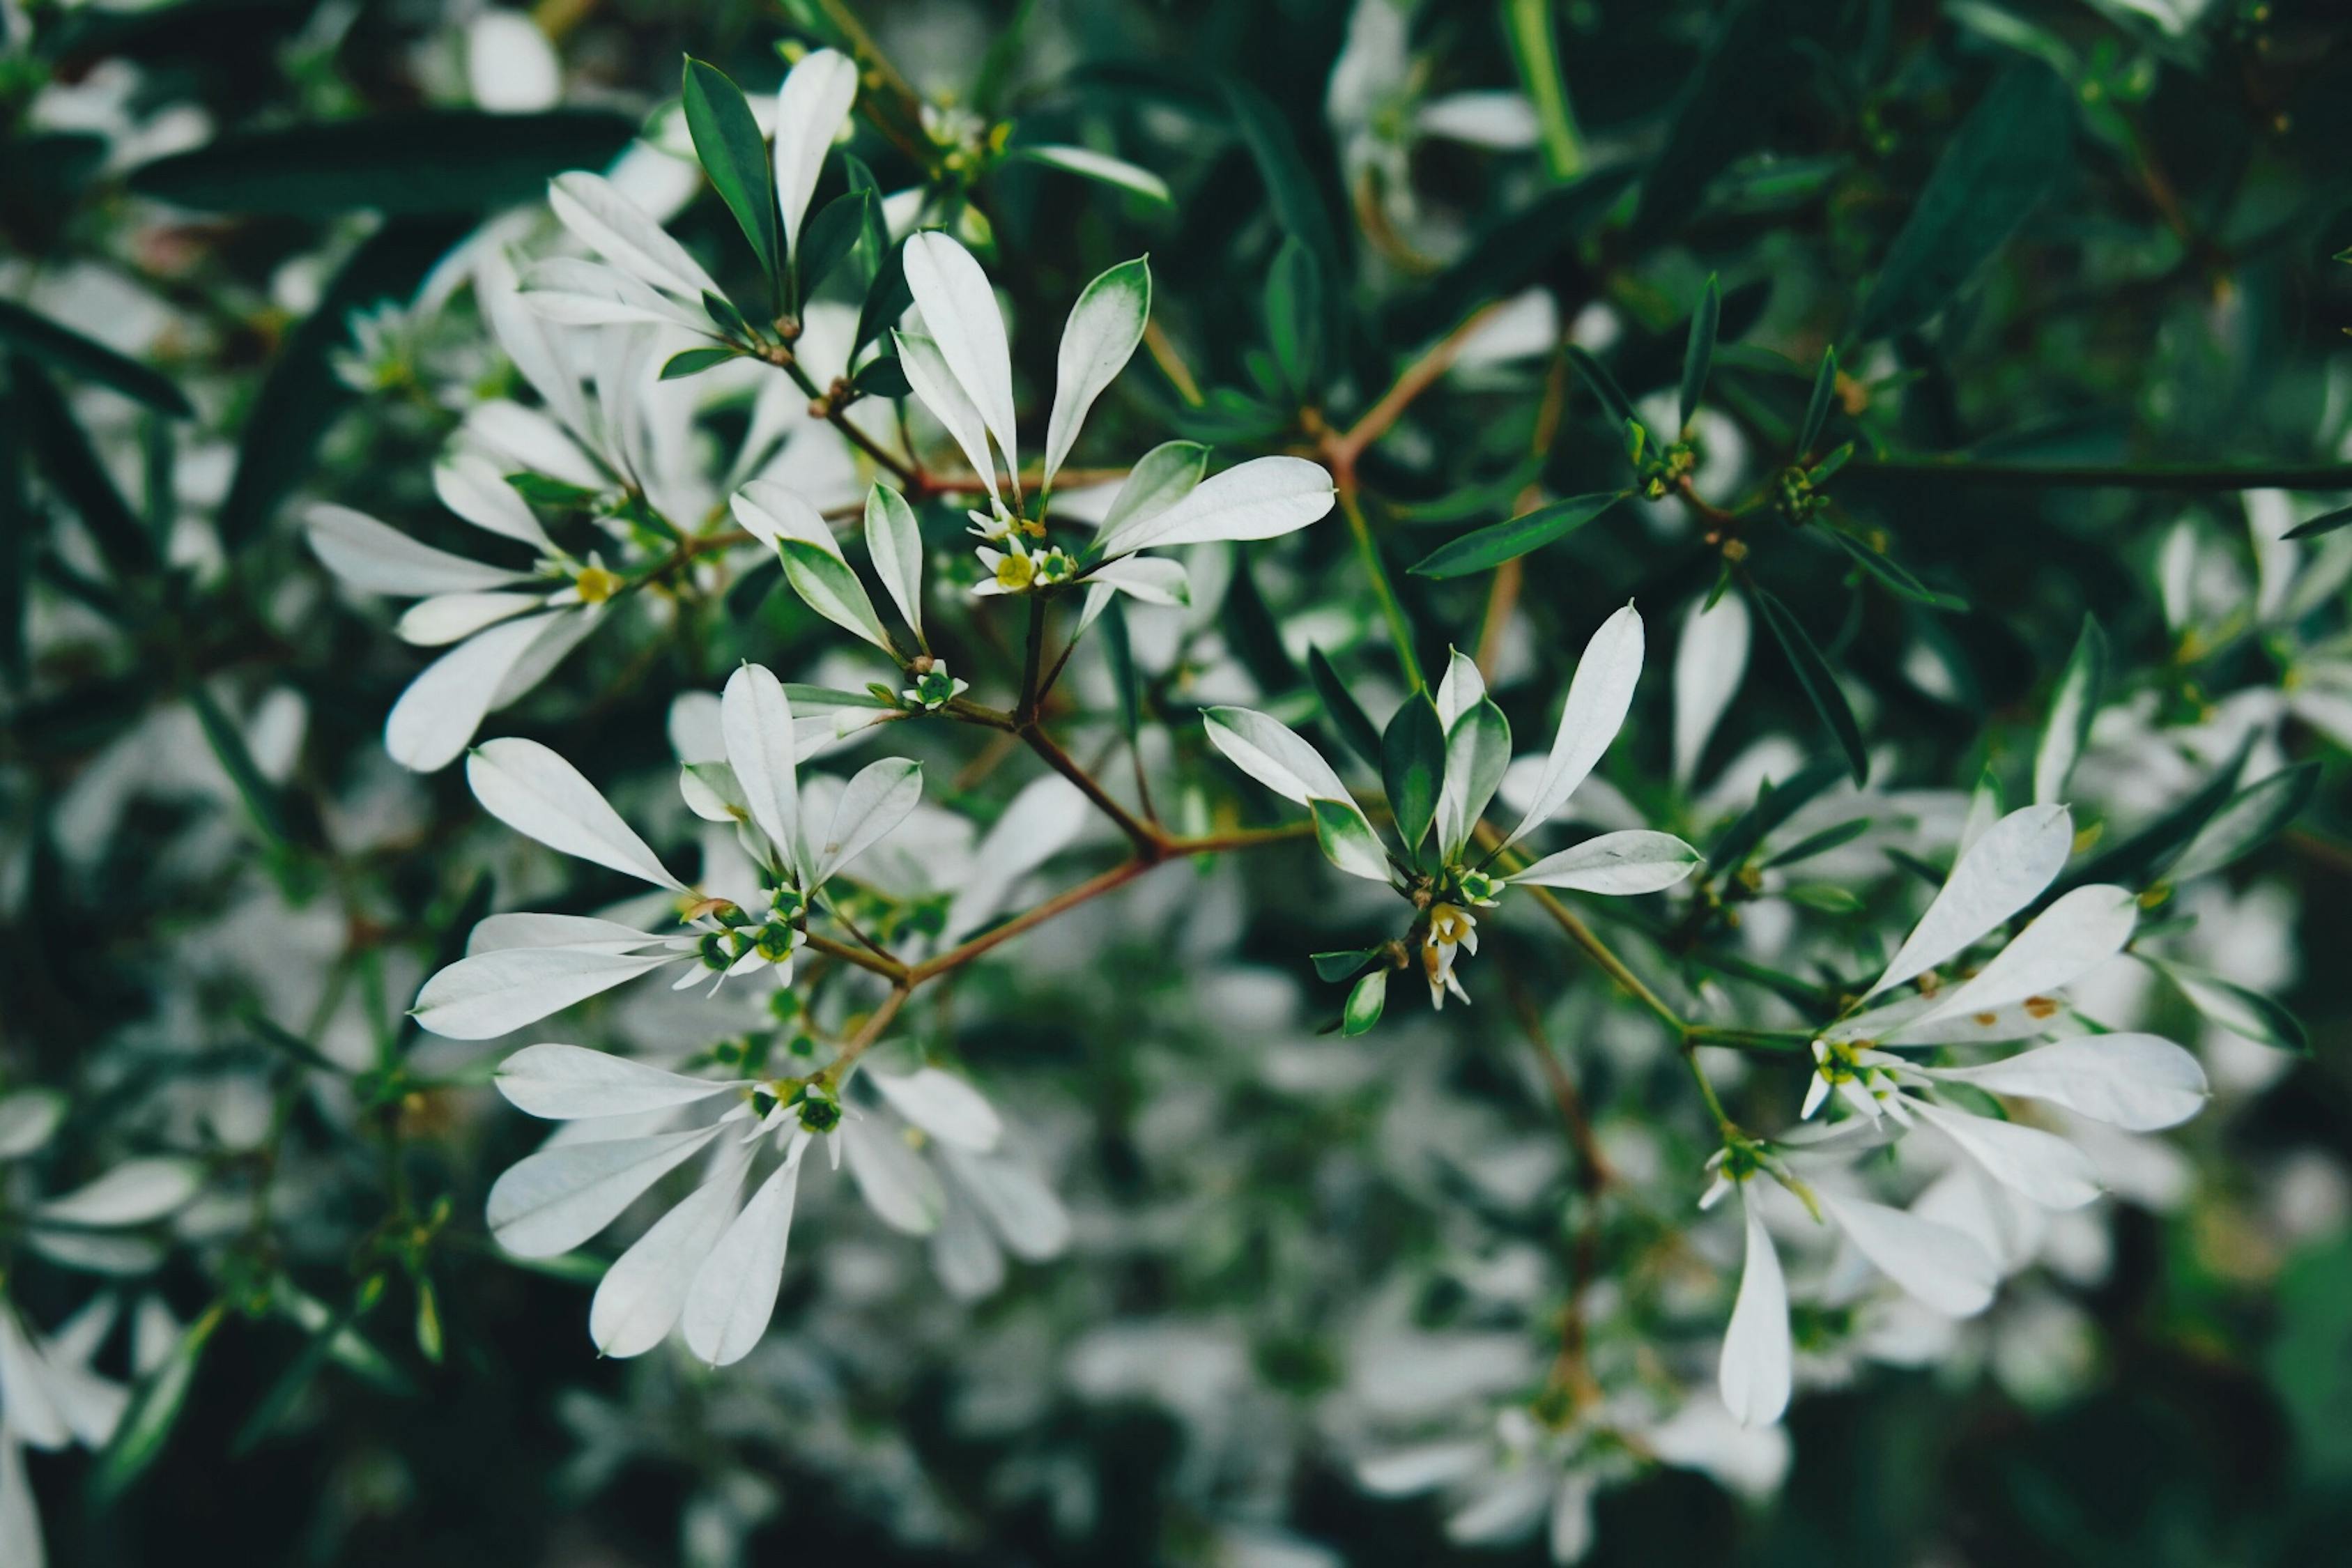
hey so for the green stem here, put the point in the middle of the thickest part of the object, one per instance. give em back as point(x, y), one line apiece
point(1535, 48)
point(1369, 552)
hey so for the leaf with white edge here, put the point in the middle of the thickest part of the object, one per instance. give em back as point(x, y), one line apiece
point(526, 929)
point(734, 1292)
point(2082, 930)
point(28, 1118)
point(815, 97)
point(1261, 498)
point(943, 1105)
point(774, 513)
point(959, 313)
point(564, 1083)
point(894, 540)
point(1460, 689)
point(1366, 999)
point(1147, 578)
point(1710, 661)
point(534, 791)
point(897, 1182)
point(2001, 873)
point(2247, 1013)
point(640, 1297)
point(471, 485)
point(877, 799)
point(1101, 167)
point(134, 1192)
point(1099, 338)
point(368, 554)
point(550, 1201)
point(1754, 1373)
point(1161, 478)
point(1023, 1210)
point(1633, 861)
point(446, 618)
point(1348, 840)
point(447, 701)
point(713, 792)
point(2253, 816)
point(2141, 1083)
point(756, 719)
point(1819, 683)
point(2039, 1166)
point(1273, 754)
point(937, 389)
point(1938, 1266)
point(827, 586)
point(2072, 708)
point(620, 231)
point(496, 993)
point(1598, 698)
point(1477, 755)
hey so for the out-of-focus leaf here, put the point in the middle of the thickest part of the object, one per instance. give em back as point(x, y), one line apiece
point(1489, 547)
point(227, 741)
point(1890, 573)
point(1517, 251)
point(1774, 805)
point(1604, 385)
point(1120, 650)
point(299, 1373)
point(1817, 406)
point(2140, 859)
point(154, 1409)
point(694, 362)
point(1256, 636)
point(1820, 683)
point(1290, 186)
point(886, 299)
point(68, 351)
point(1348, 718)
point(71, 464)
point(2073, 706)
point(1724, 108)
point(1295, 314)
point(2326, 523)
point(20, 527)
point(1533, 43)
point(1698, 349)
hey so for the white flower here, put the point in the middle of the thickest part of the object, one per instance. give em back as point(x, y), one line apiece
point(519, 968)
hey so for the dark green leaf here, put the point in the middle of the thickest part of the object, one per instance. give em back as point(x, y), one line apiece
point(1820, 686)
point(1348, 718)
point(1603, 385)
point(1724, 107)
point(1120, 651)
point(2073, 706)
point(154, 1409)
point(2326, 523)
point(1294, 317)
point(1775, 804)
point(20, 530)
point(77, 355)
point(1256, 636)
point(1817, 406)
point(2140, 860)
point(882, 377)
point(694, 362)
point(297, 1377)
point(1489, 547)
point(2253, 816)
point(1888, 572)
point(279, 1038)
point(2003, 158)
point(726, 141)
point(433, 160)
point(260, 796)
point(1413, 767)
point(1337, 966)
point(1698, 349)
point(1290, 186)
point(887, 300)
point(65, 458)
point(1527, 27)
point(726, 317)
point(1820, 843)
point(1365, 1002)
point(835, 230)
point(1517, 251)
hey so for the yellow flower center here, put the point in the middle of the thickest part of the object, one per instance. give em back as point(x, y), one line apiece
point(597, 584)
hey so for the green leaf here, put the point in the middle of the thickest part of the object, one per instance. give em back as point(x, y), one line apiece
point(1348, 840)
point(1120, 650)
point(1256, 636)
point(1774, 805)
point(1413, 767)
point(887, 299)
point(1337, 966)
point(1348, 718)
point(2073, 706)
point(1723, 108)
point(2326, 523)
point(299, 1373)
point(279, 1038)
point(1698, 348)
point(2253, 816)
point(1290, 186)
point(831, 235)
point(726, 141)
point(694, 362)
point(77, 355)
point(260, 796)
point(433, 160)
point(1295, 315)
point(882, 377)
point(1820, 843)
point(827, 586)
point(2140, 860)
point(1817, 406)
point(1820, 684)
point(1603, 385)
point(1520, 250)
point(1896, 580)
point(1485, 548)
point(1101, 168)
point(154, 1409)
point(20, 530)
point(65, 458)
point(1365, 1002)
point(2003, 158)
point(2248, 1013)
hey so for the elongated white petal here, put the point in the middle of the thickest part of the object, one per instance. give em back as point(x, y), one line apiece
point(964, 1254)
point(877, 799)
point(553, 1201)
point(1099, 338)
point(1936, 1265)
point(2139, 1082)
point(937, 389)
point(1271, 753)
point(1020, 1207)
point(20, 1519)
point(734, 1292)
point(757, 718)
point(531, 929)
point(943, 1105)
point(527, 439)
point(2001, 873)
point(2083, 928)
point(959, 314)
point(445, 618)
point(1598, 698)
point(134, 1192)
point(1633, 861)
point(1501, 1507)
point(447, 701)
point(894, 540)
point(534, 791)
point(640, 1297)
point(1408, 1472)
point(896, 1181)
point(526, 337)
point(1756, 1369)
point(28, 1118)
point(815, 100)
point(1161, 478)
point(471, 485)
point(567, 1082)
point(2037, 1165)
point(1110, 171)
point(1261, 498)
point(621, 232)
point(2018, 1021)
point(494, 993)
point(368, 554)
point(1037, 825)
point(577, 293)
point(1710, 661)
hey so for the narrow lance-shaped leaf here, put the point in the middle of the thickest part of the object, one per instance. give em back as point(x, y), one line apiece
point(1100, 167)
point(1100, 336)
point(1820, 684)
point(30, 333)
point(260, 796)
point(2253, 816)
point(1603, 385)
point(1485, 548)
point(1347, 716)
point(1413, 767)
point(1817, 406)
point(1294, 315)
point(2073, 706)
point(894, 537)
point(961, 316)
point(813, 100)
point(154, 1409)
point(1698, 349)
point(727, 142)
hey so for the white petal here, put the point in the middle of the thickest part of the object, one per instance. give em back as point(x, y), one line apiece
point(1462, 688)
point(1099, 338)
point(527, 439)
point(494, 993)
point(447, 701)
point(1021, 1209)
point(367, 554)
point(734, 1291)
point(2082, 930)
point(1407, 1472)
point(757, 719)
point(943, 1105)
point(2001, 873)
point(874, 801)
point(2139, 1082)
point(1755, 1372)
point(1503, 1507)
point(564, 1082)
point(577, 293)
point(621, 232)
point(530, 929)
point(528, 341)
point(1261, 498)
point(1500, 121)
point(539, 795)
point(894, 540)
point(1271, 753)
point(1571, 1531)
point(1477, 755)
point(964, 1254)
point(815, 100)
point(1633, 861)
point(28, 1118)
point(897, 1184)
point(640, 1297)
point(771, 512)
point(1936, 1265)
point(937, 389)
point(1710, 661)
point(558, 1198)
point(133, 1193)
point(471, 485)
point(2035, 1164)
point(1598, 698)
point(959, 314)
point(445, 618)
